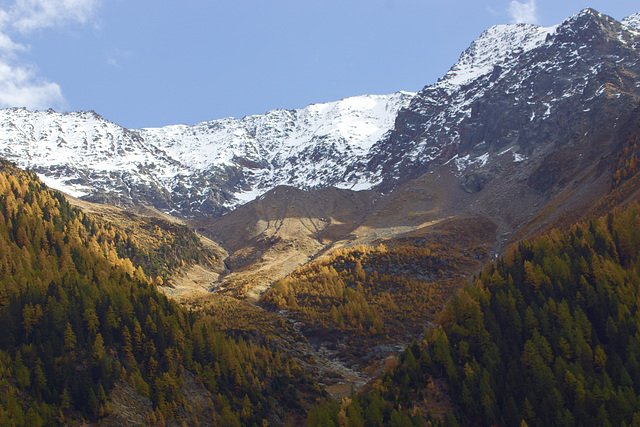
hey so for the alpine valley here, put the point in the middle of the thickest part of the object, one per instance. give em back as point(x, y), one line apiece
point(315, 261)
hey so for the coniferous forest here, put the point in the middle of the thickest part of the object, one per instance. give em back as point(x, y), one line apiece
point(547, 335)
point(79, 322)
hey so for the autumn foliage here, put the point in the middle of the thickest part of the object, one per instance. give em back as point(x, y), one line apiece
point(78, 320)
point(547, 335)
point(362, 297)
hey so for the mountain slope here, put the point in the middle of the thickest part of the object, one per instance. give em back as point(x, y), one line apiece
point(81, 327)
point(535, 122)
point(202, 170)
point(519, 91)
point(546, 335)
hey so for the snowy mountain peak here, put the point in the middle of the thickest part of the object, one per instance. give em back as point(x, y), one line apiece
point(495, 47)
point(632, 21)
point(350, 126)
point(587, 11)
point(586, 18)
point(513, 81)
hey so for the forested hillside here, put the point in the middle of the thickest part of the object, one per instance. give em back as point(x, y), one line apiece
point(547, 335)
point(551, 332)
point(361, 298)
point(79, 321)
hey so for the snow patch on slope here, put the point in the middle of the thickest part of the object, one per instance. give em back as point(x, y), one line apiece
point(495, 47)
point(65, 186)
point(462, 163)
point(632, 21)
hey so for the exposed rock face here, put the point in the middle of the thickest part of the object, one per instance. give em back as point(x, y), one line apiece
point(523, 92)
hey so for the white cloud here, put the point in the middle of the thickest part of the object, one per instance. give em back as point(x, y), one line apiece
point(30, 15)
point(20, 85)
point(523, 12)
point(9, 46)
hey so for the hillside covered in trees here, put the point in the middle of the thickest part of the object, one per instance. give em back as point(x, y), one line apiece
point(547, 335)
point(361, 298)
point(79, 322)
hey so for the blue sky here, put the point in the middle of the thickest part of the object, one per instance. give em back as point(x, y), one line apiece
point(143, 63)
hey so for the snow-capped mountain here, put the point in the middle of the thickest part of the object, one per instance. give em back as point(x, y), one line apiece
point(205, 169)
point(518, 91)
point(520, 94)
point(632, 21)
point(312, 147)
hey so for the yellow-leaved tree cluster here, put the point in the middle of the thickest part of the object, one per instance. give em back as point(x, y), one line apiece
point(80, 320)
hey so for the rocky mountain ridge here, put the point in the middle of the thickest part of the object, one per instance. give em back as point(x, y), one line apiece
point(508, 93)
point(202, 170)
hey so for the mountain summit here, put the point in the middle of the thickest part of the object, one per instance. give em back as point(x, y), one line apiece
point(517, 91)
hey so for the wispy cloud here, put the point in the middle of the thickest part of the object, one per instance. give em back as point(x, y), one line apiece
point(20, 85)
point(117, 55)
point(30, 15)
point(524, 12)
